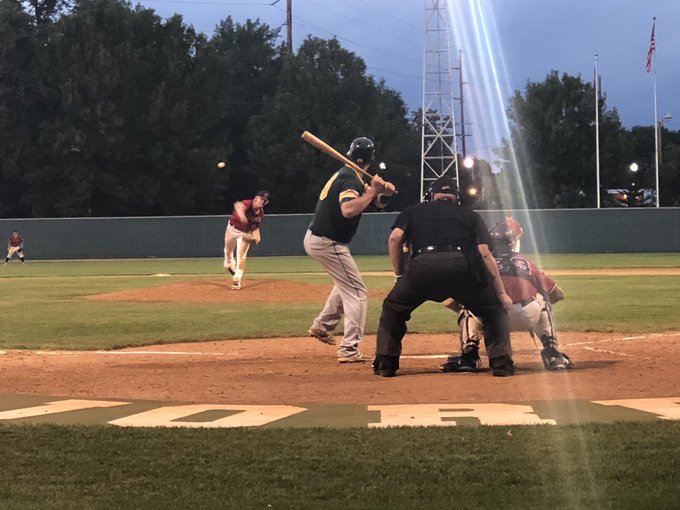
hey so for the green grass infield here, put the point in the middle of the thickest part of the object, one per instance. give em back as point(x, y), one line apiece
point(45, 304)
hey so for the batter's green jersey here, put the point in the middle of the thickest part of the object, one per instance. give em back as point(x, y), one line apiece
point(328, 220)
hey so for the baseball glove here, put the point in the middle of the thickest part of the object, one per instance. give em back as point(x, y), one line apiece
point(249, 236)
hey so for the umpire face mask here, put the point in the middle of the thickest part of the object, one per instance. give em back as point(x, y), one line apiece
point(444, 196)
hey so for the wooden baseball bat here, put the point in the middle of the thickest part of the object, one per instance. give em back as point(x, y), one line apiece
point(324, 147)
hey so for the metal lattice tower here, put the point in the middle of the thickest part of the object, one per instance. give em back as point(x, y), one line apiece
point(439, 155)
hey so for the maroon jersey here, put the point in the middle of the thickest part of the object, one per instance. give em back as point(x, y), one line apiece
point(254, 218)
point(521, 278)
point(514, 226)
point(15, 240)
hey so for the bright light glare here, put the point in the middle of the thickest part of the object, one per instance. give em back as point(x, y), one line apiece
point(634, 167)
point(468, 162)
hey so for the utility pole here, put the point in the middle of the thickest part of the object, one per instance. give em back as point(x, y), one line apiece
point(289, 25)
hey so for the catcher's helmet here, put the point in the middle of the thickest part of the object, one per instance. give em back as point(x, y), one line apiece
point(502, 238)
point(361, 151)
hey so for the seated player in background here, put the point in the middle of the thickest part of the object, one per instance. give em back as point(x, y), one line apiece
point(532, 294)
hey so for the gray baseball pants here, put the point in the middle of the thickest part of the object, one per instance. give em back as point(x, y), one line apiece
point(349, 296)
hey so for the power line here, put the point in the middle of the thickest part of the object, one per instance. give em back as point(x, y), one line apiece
point(204, 2)
point(303, 22)
point(404, 23)
point(360, 21)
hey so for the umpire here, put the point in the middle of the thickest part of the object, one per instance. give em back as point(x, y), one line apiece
point(451, 258)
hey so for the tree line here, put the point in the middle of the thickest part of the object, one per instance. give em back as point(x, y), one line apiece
point(551, 156)
point(108, 110)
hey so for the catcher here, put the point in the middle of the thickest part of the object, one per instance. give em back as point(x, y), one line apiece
point(532, 294)
point(243, 229)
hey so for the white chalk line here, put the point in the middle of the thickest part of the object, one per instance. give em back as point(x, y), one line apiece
point(425, 356)
point(624, 339)
point(616, 353)
point(127, 353)
point(584, 345)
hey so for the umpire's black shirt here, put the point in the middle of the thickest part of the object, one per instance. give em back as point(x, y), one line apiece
point(439, 270)
point(441, 223)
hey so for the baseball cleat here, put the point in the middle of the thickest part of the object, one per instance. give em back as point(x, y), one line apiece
point(322, 336)
point(464, 363)
point(358, 357)
point(555, 360)
point(236, 285)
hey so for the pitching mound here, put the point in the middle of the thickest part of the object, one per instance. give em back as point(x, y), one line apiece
point(219, 291)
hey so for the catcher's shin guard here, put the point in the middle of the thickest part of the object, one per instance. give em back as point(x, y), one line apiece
point(471, 331)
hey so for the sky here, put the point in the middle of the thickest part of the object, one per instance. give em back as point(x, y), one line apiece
point(504, 44)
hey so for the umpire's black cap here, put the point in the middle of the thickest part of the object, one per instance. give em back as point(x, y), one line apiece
point(264, 194)
point(444, 184)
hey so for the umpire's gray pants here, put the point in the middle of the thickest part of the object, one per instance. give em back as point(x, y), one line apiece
point(349, 295)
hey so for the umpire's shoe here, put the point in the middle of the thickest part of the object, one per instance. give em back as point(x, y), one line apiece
point(468, 362)
point(502, 366)
point(555, 360)
point(385, 366)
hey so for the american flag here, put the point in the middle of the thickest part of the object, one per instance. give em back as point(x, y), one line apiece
point(652, 49)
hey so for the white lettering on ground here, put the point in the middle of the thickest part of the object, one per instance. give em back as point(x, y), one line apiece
point(444, 415)
point(60, 406)
point(666, 408)
point(246, 416)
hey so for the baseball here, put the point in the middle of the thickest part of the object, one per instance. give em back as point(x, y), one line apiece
point(221, 164)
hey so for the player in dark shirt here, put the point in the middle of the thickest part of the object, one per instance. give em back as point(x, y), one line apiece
point(450, 258)
point(341, 202)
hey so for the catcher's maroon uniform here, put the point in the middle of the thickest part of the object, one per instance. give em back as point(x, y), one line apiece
point(532, 293)
point(522, 279)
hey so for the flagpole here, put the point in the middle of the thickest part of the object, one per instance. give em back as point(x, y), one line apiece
point(649, 66)
point(656, 141)
point(597, 133)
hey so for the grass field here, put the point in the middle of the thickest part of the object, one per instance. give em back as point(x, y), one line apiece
point(615, 466)
point(48, 309)
point(620, 465)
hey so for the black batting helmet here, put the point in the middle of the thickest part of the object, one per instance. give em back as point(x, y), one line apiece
point(361, 151)
point(502, 238)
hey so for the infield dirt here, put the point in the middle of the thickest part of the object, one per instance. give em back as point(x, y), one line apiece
point(303, 370)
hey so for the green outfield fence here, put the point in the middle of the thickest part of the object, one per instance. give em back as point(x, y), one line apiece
point(633, 230)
